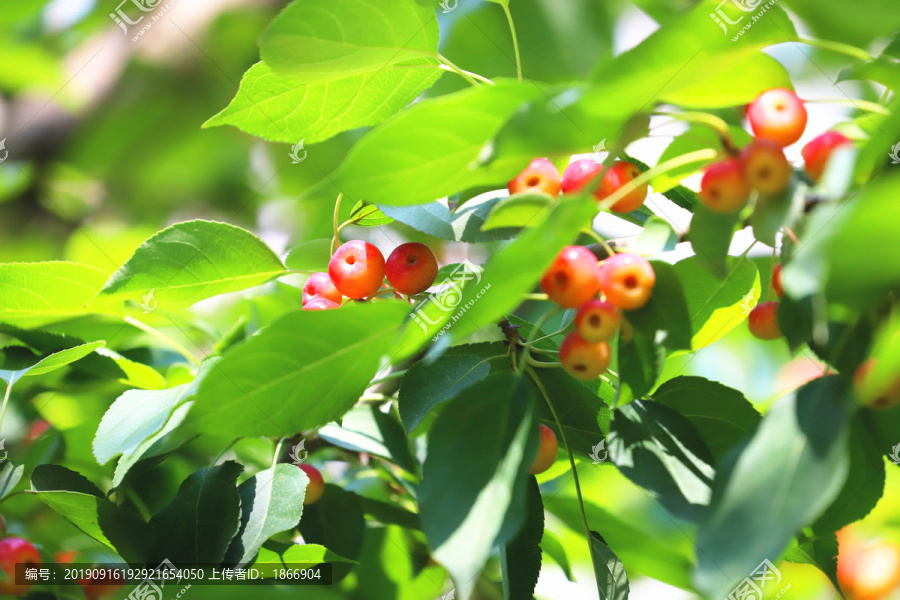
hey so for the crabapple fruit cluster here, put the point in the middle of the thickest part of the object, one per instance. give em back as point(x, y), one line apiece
point(357, 270)
point(574, 280)
point(777, 118)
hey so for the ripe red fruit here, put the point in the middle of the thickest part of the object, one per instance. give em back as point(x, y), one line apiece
point(316, 486)
point(723, 188)
point(763, 321)
point(765, 167)
point(540, 175)
point(16, 550)
point(320, 304)
point(357, 269)
point(411, 268)
point(578, 174)
point(35, 430)
point(572, 278)
point(818, 151)
point(546, 454)
point(583, 359)
point(875, 398)
point(622, 173)
point(867, 571)
point(778, 115)
point(597, 321)
point(776, 281)
point(627, 280)
point(319, 285)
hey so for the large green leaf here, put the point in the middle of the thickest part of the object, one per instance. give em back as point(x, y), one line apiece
point(50, 363)
point(819, 551)
point(83, 505)
point(194, 260)
point(436, 143)
point(710, 236)
point(280, 108)
point(318, 40)
point(367, 429)
point(520, 559)
point(271, 501)
point(783, 477)
point(720, 88)
point(660, 450)
point(717, 305)
point(282, 380)
point(337, 522)
point(472, 495)
point(197, 525)
point(161, 443)
point(33, 294)
point(612, 582)
point(427, 385)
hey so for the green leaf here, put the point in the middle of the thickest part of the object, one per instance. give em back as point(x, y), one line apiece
point(367, 429)
point(432, 218)
point(664, 318)
point(657, 236)
point(472, 496)
point(50, 363)
point(387, 513)
point(640, 363)
point(310, 256)
point(520, 210)
point(554, 548)
point(368, 215)
point(710, 235)
point(865, 483)
point(436, 143)
point(721, 415)
point(697, 137)
point(274, 555)
point(10, 475)
point(271, 501)
point(465, 224)
point(759, 72)
point(135, 416)
point(162, 442)
point(820, 552)
point(773, 213)
point(194, 260)
point(658, 449)
point(783, 477)
point(337, 523)
point(612, 581)
point(520, 559)
point(717, 305)
point(197, 525)
point(282, 379)
point(426, 385)
point(34, 294)
point(281, 108)
point(319, 40)
point(80, 502)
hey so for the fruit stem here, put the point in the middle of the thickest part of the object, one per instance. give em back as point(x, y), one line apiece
point(716, 123)
point(839, 47)
point(156, 333)
point(536, 329)
point(542, 365)
point(5, 402)
point(590, 232)
point(565, 441)
point(549, 335)
point(464, 74)
point(515, 40)
point(646, 176)
point(337, 209)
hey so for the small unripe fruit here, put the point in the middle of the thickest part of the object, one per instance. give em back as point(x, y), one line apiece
point(622, 174)
point(547, 449)
point(778, 115)
point(572, 278)
point(540, 176)
point(411, 268)
point(16, 550)
point(357, 269)
point(583, 359)
point(723, 188)
point(578, 174)
point(597, 321)
point(319, 285)
point(763, 321)
point(818, 151)
point(888, 398)
point(316, 486)
point(776, 281)
point(765, 167)
point(320, 304)
point(627, 280)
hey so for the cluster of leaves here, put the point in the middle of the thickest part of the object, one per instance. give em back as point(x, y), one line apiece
point(439, 477)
